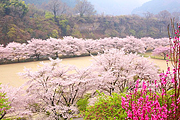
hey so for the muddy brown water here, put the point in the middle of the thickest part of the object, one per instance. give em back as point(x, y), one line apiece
point(9, 72)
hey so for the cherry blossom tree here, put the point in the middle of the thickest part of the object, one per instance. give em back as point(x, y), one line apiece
point(4, 53)
point(91, 46)
point(55, 46)
point(37, 48)
point(17, 50)
point(133, 45)
point(73, 46)
point(105, 44)
point(162, 42)
point(118, 43)
point(18, 100)
point(162, 51)
point(108, 43)
point(115, 71)
point(56, 88)
point(151, 43)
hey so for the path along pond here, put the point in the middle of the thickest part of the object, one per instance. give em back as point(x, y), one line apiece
point(9, 72)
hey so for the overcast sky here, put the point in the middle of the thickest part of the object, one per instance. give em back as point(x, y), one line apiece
point(117, 7)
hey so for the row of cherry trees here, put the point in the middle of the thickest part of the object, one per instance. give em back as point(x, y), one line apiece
point(38, 48)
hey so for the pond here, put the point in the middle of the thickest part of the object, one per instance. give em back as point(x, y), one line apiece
point(8, 72)
point(162, 64)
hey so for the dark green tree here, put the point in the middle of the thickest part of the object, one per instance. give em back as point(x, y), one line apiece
point(14, 8)
point(18, 8)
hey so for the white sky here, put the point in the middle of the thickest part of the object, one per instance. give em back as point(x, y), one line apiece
point(141, 1)
point(117, 7)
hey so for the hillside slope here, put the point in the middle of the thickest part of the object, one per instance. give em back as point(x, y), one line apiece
point(155, 6)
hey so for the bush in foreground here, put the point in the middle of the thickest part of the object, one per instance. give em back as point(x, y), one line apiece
point(107, 107)
point(4, 105)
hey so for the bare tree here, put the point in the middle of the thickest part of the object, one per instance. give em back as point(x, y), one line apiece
point(83, 7)
point(164, 15)
point(57, 7)
point(164, 18)
point(176, 16)
point(148, 15)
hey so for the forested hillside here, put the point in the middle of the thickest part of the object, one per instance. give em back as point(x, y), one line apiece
point(20, 22)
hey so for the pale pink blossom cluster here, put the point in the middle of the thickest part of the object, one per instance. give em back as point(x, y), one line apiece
point(151, 43)
point(115, 70)
point(162, 51)
point(55, 88)
point(18, 100)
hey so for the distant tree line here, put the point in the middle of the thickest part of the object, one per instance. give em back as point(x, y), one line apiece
point(20, 22)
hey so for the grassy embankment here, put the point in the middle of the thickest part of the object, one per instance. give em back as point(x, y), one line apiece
point(149, 54)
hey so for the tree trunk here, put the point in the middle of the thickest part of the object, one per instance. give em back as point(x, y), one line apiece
point(3, 115)
point(57, 55)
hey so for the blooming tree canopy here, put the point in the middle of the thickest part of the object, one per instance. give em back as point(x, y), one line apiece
point(133, 45)
point(73, 46)
point(17, 50)
point(18, 100)
point(56, 88)
point(4, 52)
point(37, 47)
point(55, 47)
point(162, 51)
point(115, 71)
point(151, 43)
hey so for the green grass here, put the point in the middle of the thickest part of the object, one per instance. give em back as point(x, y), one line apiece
point(149, 54)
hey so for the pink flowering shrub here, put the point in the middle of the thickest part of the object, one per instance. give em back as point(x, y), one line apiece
point(147, 104)
point(159, 102)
